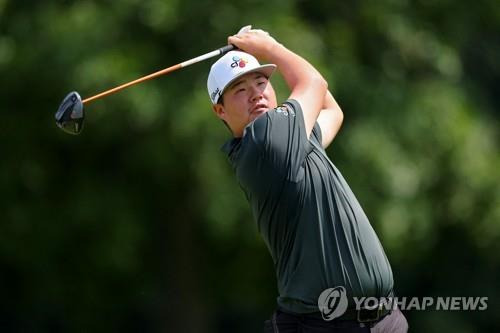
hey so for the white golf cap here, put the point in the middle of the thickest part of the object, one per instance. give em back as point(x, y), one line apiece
point(231, 66)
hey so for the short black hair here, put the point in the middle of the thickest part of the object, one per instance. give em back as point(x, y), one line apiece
point(221, 100)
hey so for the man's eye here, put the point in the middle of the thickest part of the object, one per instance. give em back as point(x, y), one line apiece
point(240, 90)
point(261, 83)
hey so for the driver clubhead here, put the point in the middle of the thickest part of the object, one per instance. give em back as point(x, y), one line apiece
point(70, 115)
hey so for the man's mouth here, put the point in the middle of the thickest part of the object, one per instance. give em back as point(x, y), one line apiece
point(259, 108)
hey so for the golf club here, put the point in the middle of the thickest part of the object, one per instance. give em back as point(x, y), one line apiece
point(70, 115)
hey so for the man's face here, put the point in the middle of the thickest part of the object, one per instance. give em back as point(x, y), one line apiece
point(247, 98)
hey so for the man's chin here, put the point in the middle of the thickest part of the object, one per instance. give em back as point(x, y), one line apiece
point(258, 112)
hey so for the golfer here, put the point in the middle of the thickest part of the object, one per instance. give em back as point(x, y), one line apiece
point(315, 229)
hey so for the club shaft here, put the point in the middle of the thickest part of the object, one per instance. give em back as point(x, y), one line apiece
point(131, 83)
point(170, 69)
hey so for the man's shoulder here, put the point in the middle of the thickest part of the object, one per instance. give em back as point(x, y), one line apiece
point(260, 128)
point(290, 107)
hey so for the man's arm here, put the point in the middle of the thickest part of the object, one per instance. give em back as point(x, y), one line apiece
point(330, 119)
point(306, 84)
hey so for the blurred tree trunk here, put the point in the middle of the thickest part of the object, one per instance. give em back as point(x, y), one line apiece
point(182, 307)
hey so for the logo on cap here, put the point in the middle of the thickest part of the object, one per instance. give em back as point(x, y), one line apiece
point(238, 62)
point(214, 94)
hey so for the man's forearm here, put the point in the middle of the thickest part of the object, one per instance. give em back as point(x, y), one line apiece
point(306, 84)
point(294, 69)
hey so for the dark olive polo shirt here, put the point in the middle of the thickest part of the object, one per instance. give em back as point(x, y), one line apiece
point(315, 229)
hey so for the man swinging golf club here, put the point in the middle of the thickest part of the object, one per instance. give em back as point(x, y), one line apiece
point(315, 229)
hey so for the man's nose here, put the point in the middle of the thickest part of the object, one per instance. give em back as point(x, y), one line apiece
point(256, 94)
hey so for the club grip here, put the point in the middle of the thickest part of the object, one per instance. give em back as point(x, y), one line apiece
point(225, 49)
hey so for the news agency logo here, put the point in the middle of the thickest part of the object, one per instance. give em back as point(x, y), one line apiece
point(471, 303)
point(332, 303)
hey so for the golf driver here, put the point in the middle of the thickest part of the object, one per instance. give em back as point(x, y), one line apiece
point(70, 115)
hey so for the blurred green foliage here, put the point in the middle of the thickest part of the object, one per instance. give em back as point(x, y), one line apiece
point(138, 225)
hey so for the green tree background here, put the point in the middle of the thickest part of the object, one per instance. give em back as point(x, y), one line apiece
point(138, 225)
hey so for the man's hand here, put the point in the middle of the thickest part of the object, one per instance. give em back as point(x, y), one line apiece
point(254, 41)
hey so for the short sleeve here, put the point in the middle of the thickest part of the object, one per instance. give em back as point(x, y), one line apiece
point(316, 135)
point(281, 136)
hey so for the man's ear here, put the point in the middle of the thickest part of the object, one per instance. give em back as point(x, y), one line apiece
point(219, 111)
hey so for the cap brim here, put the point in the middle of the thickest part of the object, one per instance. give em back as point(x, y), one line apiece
point(267, 70)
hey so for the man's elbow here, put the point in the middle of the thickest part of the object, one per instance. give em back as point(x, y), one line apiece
point(336, 117)
point(320, 84)
point(339, 115)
